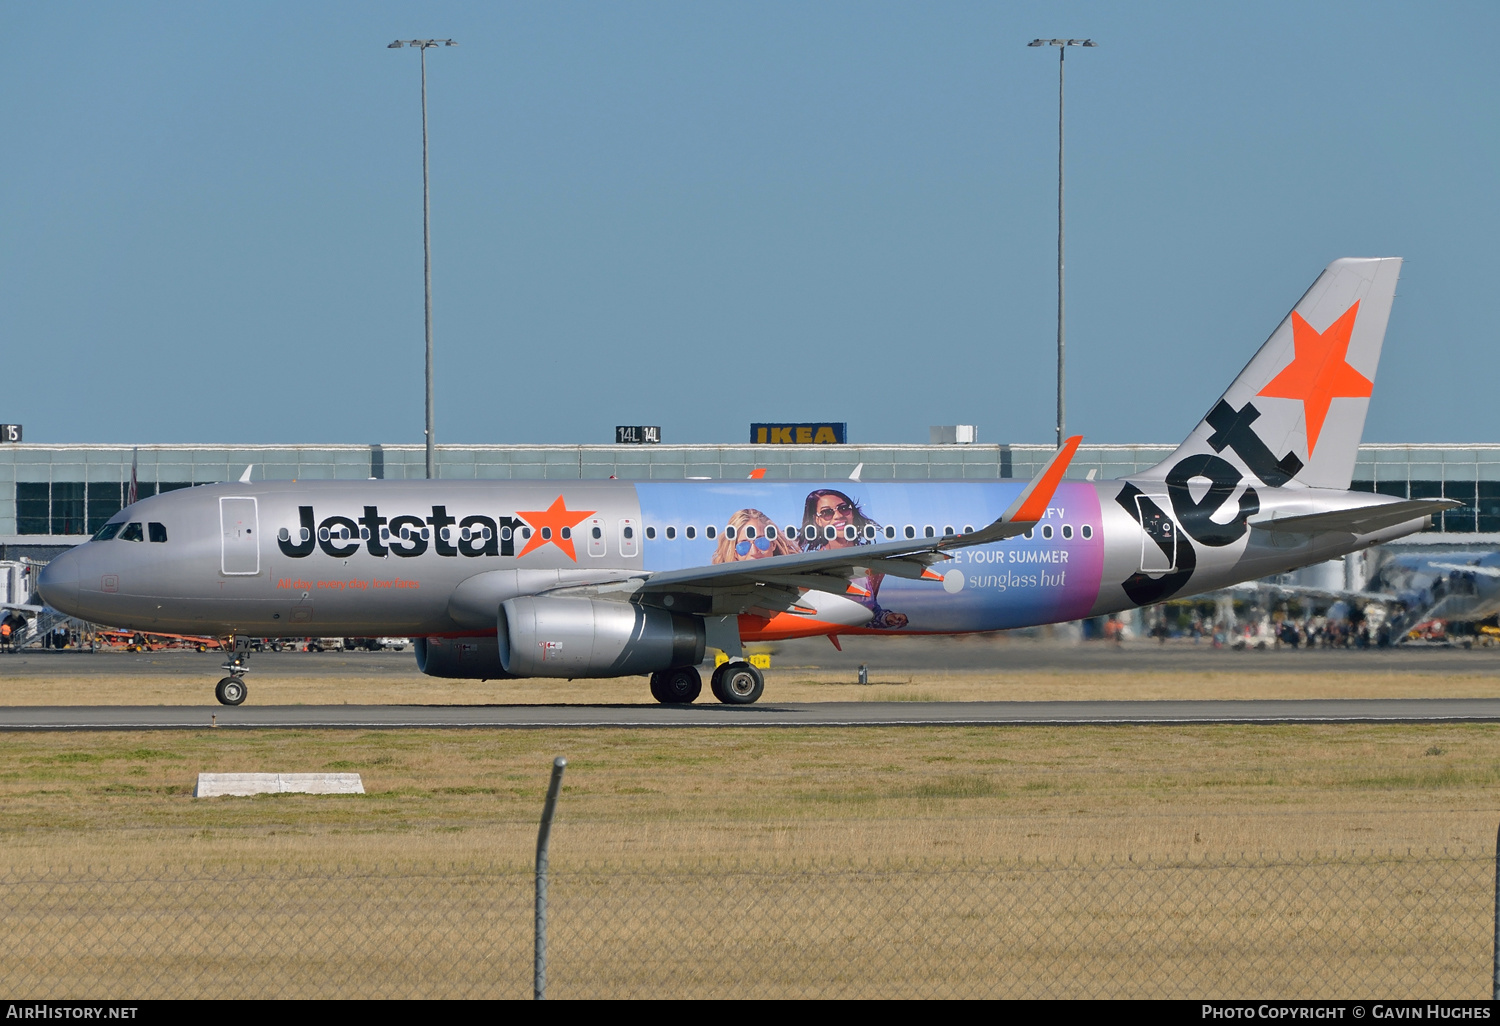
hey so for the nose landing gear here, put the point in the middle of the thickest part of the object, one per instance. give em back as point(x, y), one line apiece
point(231, 690)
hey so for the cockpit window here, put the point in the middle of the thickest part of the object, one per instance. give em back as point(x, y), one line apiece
point(107, 532)
point(132, 532)
point(157, 532)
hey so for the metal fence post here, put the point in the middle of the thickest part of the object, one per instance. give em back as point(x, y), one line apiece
point(543, 836)
point(1495, 984)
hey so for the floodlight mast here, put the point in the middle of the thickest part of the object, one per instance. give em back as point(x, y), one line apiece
point(423, 45)
point(1062, 49)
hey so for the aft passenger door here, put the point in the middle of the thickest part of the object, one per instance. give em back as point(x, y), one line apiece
point(1159, 543)
point(239, 536)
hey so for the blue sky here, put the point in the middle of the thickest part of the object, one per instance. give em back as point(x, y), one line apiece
point(702, 214)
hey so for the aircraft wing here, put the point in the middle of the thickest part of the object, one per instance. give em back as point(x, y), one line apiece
point(1361, 519)
point(827, 568)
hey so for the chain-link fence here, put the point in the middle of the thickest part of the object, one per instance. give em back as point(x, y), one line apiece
point(1310, 926)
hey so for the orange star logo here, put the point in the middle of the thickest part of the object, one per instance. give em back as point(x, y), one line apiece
point(1319, 373)
point(550, 524)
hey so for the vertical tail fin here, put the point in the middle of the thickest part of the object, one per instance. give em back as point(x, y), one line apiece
point(1297, 410)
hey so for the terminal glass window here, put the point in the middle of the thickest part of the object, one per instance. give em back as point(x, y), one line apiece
point(1489, 505)
point(73, 507)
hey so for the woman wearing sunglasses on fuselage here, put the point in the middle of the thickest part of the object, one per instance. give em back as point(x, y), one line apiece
point(832, 520)
point(751, 535)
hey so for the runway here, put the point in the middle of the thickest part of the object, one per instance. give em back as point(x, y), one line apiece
point(777, 715)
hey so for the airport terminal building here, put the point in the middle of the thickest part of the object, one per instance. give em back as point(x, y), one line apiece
point(53, 495)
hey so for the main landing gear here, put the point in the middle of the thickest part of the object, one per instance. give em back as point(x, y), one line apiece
point(733, 683)
point(677, 686)
point(231, 690)
point(737, 683)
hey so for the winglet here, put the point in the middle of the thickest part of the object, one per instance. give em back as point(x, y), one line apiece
point(757, 473)
point(245, 477)
point(1031, 505)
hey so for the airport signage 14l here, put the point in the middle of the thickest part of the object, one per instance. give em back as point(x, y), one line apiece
point(811, 433)
point(639, 434)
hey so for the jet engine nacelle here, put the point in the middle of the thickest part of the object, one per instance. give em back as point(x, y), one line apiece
point(466, 658)
point(542, 636)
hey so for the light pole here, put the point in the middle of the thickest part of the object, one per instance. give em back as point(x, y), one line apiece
point(423, 45)
point(1062, 49)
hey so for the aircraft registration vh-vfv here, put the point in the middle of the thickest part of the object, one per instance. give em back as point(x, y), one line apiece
point(507, 579)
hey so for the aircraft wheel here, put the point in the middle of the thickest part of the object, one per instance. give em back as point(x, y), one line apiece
point(737, 683)
point(230, 691)
point(677, 686)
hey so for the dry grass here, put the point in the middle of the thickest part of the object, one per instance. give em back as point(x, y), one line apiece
point(368, 914)
point(641, 796)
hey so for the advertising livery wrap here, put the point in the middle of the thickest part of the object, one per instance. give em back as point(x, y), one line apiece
point(605, 578)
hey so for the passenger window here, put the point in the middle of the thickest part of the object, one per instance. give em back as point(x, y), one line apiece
point(1088, 532)
point(850, 533)
point(750, 531)
point(1067, 531)
point(791, 532)
point(281, 535)
point(1046, 530)
point(869, 532)
point(829, 533)
point(729, 533)
point(710, 532)
point(526, 534)
point(132, 532)
point(364, 534)
point(928, 532)
point(968, 529)
point(505, 534)
point(567, 533)
point(771, 531)
point(911, 532)
point(948, 531)
point(890, 530)
point(546, 534)
point(691, 532)
point(671, 533)
point(810, 533)
point(650, 534)
point(594, 533)
point(1030, 532)
point(108, 531)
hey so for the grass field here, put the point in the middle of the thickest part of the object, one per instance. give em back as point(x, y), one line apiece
point(646, 795)
point(683, 855)
point(682, 862)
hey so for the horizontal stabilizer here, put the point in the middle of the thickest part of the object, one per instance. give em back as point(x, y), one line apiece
point(1361, 519)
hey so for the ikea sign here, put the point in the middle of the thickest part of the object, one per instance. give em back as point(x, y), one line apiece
point(817, 433)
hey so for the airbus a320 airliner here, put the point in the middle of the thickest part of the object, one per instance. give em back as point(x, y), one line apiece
point(511, 579)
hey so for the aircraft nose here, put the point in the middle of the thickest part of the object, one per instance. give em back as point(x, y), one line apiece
point(57, 584)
